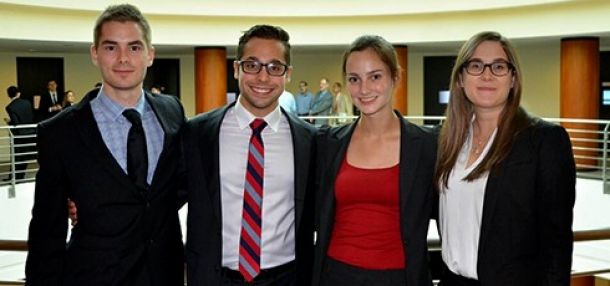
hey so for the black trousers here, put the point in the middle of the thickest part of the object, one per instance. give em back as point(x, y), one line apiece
point(337, 273)
point(282, 275)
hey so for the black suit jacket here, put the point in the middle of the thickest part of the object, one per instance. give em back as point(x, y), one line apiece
point(46, 102)
point(417, 198)
point(123, 236)
point(20, 112)
point(204, 222)
point(526, 233)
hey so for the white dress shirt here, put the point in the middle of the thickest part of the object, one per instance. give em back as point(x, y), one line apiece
point(278, 230)
point(461, 211)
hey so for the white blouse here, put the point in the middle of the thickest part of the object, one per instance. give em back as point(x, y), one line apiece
point(460, 213)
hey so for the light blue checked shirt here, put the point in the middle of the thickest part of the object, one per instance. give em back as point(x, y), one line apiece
point(114, 128)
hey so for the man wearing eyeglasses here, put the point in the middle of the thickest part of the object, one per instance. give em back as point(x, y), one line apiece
point(250, 177)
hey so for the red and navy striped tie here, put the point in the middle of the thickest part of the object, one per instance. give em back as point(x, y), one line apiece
point(251, 222)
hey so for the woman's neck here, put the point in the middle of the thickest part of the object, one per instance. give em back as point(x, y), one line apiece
point(379, 125)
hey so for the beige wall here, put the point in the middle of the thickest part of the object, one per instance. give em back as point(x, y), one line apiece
point(540, 65)
point(312, 67)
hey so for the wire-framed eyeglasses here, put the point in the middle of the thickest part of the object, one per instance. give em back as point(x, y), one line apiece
point(254, 67)
point(497, 68)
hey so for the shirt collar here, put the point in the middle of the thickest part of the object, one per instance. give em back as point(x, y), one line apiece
point(244, 117)
point(115, 109)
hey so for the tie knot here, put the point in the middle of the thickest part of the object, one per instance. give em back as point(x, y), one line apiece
point(133, 116)
point(258, 125)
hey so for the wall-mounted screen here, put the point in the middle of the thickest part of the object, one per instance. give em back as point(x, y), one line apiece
point(606, 97)
point(443, 97)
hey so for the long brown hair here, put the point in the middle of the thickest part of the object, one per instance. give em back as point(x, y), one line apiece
point(454, 132)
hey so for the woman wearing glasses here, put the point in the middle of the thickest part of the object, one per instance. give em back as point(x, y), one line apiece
point(506, 178)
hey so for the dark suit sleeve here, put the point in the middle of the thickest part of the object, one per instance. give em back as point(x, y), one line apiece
point(556, 184)
point(48, 228)
point(12, 115)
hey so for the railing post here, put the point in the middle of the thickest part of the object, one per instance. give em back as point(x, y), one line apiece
point(605, 161)
point(11, 188)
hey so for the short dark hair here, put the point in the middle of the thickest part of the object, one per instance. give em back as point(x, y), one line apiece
point(122, 13)
point(12, 91)
point(265, 32)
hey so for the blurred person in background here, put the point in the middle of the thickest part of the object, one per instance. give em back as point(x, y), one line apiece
point(304, 100)
point(322, 103)
point(69, 99)
point(20, 112)
point(342, 106)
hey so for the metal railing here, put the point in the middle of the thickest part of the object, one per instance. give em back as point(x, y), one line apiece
point(590, 141)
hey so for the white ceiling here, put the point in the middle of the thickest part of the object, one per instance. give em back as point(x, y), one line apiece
point(9, 43)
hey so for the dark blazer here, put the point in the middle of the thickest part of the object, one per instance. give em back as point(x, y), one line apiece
point(417, 198)
point(20, 112)
point(204, 222)
point(123, 236)
point(46, 103)
point(526, 233)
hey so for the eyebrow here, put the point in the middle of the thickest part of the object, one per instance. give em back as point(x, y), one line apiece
point(493, 61)
point(111, 42)
point(252, 58)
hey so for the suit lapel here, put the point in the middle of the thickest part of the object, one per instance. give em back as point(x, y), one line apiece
point(519, 154)
point(169, 133)
point(332, 150)
point(211, 143)
point(86, 127)
point(489, 207)
point(410, 150)
point(301, 141)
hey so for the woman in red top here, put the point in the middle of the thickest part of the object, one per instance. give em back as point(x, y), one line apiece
point(375, 195)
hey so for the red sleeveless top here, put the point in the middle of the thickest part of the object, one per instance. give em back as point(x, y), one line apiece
point(366, 231)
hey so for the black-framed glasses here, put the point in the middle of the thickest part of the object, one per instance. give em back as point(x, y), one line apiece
point(254, 67)
point(497, 68)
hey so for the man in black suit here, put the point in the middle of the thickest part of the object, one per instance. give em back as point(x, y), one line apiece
point(50, 101)
point(128, 231)
point(216, 146)
point(19, 113)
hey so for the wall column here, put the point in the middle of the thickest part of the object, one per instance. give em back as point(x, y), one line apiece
point(210, 78)
point(580, 91)
point(401, 97)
